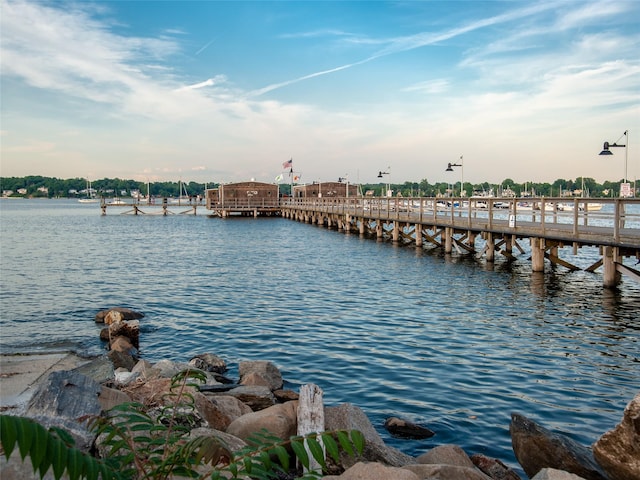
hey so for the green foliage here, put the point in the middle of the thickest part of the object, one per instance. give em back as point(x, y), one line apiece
point(138, 445)
point(51, 449)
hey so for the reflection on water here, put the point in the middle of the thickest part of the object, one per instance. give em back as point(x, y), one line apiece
point(449, 341)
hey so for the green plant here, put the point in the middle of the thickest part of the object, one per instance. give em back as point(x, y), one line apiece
point(140, 446)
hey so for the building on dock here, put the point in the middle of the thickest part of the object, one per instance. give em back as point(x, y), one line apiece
point(244, 198)
point(326, 190)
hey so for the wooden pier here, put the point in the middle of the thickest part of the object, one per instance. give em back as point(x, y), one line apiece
point(159, 206)
point(488, 226)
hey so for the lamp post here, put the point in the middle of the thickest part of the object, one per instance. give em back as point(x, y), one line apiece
point(461, 165)
point(345, 179)
point(380, 174)
point(625, 187)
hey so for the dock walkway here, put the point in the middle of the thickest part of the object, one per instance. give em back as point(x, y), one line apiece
point(612, 225)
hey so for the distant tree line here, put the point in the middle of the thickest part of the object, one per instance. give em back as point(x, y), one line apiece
point(50, 187)
point(38, 186)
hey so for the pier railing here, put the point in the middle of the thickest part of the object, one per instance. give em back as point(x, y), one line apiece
point(592, 221)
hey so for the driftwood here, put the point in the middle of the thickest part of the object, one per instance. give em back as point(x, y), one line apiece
point(310, 416)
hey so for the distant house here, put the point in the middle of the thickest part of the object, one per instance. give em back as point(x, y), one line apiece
point(7, 193)
point(22, 191)
point(42, 190)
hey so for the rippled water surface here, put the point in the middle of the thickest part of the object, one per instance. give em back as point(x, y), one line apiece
point(446, 341)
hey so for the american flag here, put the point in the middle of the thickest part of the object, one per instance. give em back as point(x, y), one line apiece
point(288, 163)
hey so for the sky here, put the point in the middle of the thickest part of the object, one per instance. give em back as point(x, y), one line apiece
point(213, 91)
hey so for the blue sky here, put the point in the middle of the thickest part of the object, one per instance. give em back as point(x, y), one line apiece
point(227, 91)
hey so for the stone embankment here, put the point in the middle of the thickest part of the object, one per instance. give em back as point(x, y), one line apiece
point(235, 410)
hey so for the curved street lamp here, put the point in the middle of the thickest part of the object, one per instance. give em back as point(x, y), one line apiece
point(605, 151)
point(461, 165)
point(380, 175)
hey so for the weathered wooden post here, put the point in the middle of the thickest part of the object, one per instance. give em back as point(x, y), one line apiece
point(490, 247)
point(418, 232)
point(310, 416)
point(537, 254)
point(448, 240)
point(611, 277)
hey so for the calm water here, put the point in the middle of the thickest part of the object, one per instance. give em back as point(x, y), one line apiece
point(448, 342)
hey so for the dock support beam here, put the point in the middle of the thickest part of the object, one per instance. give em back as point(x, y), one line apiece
point(537, 255)
point(417, 228)
point(611, 276)
point(448, 242)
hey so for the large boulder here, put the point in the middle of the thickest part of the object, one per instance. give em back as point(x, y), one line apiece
point(349, 417)
point(446, 462)
point(260, 372)
point(536, 448)
point(553, 474)
point(446, 455)
point(618, 450)
point(280, 420)
point(374, 471)
point(227, 409)
point(61, 399)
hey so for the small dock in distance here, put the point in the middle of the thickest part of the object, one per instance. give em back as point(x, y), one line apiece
point(157, 206)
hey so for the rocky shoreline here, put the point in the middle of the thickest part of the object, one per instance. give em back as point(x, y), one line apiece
point(234, 410)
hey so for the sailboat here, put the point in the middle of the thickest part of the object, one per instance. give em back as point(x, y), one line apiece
point(90, 198)
point(183, 197)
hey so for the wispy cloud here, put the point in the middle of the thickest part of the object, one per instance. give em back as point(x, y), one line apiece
point(429, 87)
point(71, 51)
point(207, 83)
point(411, 42)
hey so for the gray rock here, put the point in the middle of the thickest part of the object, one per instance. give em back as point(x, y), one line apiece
point(121, 359)
point(110, 397)
point(257, 398)
point(446, 455)
point(374, 471)
point(437, 471)
point(267, 371)
point(61, 399)
point(208, 362)
point(553, 474)
point(168, 368)
point(100, 369)
point(146, 370)
point(536, 448)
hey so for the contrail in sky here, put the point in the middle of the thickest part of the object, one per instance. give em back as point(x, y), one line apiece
point(202, 49)
point(412, 42)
